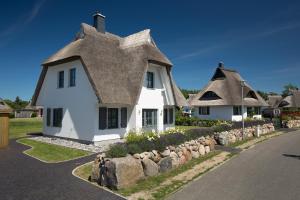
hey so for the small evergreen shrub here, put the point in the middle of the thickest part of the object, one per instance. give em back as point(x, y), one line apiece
point(117, 150)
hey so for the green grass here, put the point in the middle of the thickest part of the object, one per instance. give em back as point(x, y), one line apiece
point(187, 127)
point(84, 171)
point(21, 126)
point(151, 182)
point(51, 153)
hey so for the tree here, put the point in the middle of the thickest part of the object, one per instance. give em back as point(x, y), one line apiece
point(186, 92)
point(288, 88)
point(17, 104)
point(264, 95)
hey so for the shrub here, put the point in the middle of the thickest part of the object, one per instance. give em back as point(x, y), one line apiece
point(117, 150)
point(193, 121)
point(33, 115)
point(134, 148)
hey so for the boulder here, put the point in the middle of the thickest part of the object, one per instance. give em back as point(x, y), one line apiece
point(165, 164)
point(195, 154)
point(207, 149)
point(95, 170)
point(165, 153)
point(187, 154)
point(150, 167)
point(175, 159)
point(123, 172)
point(137, 155)
point(182, 160)
point(212, 144)
point(201, 150)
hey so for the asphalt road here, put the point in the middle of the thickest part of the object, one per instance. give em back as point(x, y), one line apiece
point(268, 171)
point(25, 178)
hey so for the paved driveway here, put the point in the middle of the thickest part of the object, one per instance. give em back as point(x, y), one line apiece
point(25, 178)
point(269, 171)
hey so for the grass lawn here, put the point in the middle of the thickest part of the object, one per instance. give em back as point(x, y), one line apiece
point(187, 127)
point(51, 153)
point(19, 127)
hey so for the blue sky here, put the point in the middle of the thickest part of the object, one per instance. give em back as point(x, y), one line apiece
point(260, 39)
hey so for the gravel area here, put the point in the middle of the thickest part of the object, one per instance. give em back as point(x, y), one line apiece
point(96, 148)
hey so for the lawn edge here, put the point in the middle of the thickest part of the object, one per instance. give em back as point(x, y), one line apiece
point(44, 161)
point(96, 185)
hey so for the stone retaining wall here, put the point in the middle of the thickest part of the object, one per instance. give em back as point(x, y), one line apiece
point(232, 136)
point(292, 124)
point(126, 171)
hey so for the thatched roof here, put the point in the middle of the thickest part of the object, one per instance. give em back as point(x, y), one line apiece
point(4, 108)
point(291, 101)
point(115, 66)
point(224, 89)
point(274, 100)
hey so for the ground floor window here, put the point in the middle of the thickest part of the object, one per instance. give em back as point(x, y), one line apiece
point(253, 111)
point(168, 116)
point(204, 110)
point(109, 118)
point(237, 110)
point(112, 118)
point(57, 117)
point(149, 118)
point(257, 110)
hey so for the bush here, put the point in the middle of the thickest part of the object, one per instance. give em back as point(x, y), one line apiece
point(117, 150)
point(193, 121)
point(134, 148)
point(33, 115)
point(11, 115)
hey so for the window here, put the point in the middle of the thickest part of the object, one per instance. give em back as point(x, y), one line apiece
point(61, 76)
point(168, 116)
point(210, 96)
point(149, 118)
point(237, 110)
point(150, 80)
point(257, 110)
point(165, 116)
point(48, 117)
point(251, 94)
point(72, 77)
point(112, 118)
point(123, 117)
point(57, 117)
point(102, 118)
point(171, 116)
point(204, 110)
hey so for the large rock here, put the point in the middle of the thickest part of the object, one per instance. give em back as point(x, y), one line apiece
point(195, 154)
point(212, 144)
point(95, 170)
point(207, 149)
point(123, 172)
point(165, 164)
point(156, 156)
point(202, 150)
point(150, 167)
point(175, 159)
point(165, 153)
point(187, 154)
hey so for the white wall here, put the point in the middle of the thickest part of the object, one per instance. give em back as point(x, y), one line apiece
point(79, 103)
point(81, 108)
point(157, 98)
point(223, 113)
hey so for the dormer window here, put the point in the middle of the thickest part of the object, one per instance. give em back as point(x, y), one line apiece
point(61, 78)
point(251, 94)
point(210, 95)
point(150, 80)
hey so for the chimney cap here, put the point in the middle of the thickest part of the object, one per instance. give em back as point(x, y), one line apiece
point(97, 13)
point(221, 64)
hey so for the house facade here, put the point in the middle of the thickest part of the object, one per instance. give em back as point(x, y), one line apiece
point(222, 98)
point(290, 102)
point(102, 86)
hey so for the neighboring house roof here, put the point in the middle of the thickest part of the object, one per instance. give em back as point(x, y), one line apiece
point(4, 108)
point(225, 89)
point(291, 101)
point(115, 66)
point(274, 100)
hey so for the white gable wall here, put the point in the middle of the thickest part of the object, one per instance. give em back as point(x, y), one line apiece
point(79, 103)
point(156, 98)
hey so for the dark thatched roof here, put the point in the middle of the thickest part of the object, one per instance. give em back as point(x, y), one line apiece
point(115, 66)
point(291, 101)
point(225, 89)
point(4, 108)
point(274, 100)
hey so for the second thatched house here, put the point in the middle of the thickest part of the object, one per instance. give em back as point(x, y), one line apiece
point(222, 98)
point(291, 102)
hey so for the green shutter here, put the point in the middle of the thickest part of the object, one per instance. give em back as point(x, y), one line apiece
point(102, 118)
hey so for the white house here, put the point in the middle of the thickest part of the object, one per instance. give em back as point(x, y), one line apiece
point(222, 98)
point(101, 86)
